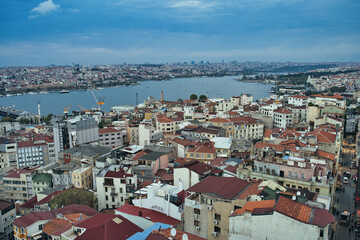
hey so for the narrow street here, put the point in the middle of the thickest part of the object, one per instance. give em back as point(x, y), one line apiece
point(344, 201)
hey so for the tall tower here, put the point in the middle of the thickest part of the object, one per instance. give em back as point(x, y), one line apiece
point(39, 113)
point(162, 96)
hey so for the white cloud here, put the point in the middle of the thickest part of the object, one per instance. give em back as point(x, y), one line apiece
point(192, 4)
point(44, 8)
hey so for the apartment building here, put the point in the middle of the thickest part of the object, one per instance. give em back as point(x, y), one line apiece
point(298, 100)
point(272, 220)
point(110, 137)
point(18, 185)
point(36, 151)
point(114, 187)
point(7, 215)
point(42, 181)
point(82, 176)
point(322, 100)
point(9, 149)
point(133, 134)
point(282, 117)
point(148, 135)
point(202, 153)
point(248, 128)
point(83, 129)
point(165, 124)
point(209, 204)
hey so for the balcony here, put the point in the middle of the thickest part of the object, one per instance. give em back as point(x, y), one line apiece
point(130, 188)
point(113, 193)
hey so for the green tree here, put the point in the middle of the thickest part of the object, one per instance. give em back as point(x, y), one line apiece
point(103, 123)
point(47, 119)
point(203, 98)
point(180, 100)
point(24, 120)
point(193, 97)
point(73, 196)
point(8, 119)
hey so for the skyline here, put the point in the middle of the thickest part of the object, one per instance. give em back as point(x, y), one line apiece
point(113, 32)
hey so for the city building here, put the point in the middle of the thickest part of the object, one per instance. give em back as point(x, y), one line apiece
point(41, 181)
point(115, 187)
point(7, 215)
point(282, 117)
point(18, 185)
point(110, 137)
point(8, 147)
point(38, 151)
point(82, 130)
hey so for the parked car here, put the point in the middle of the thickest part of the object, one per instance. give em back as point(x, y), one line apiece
point(345, 180)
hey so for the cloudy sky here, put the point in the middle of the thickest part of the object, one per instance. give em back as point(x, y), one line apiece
point(42, 32)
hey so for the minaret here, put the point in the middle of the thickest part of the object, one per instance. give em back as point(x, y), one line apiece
point(39, 113)
point(162, 96)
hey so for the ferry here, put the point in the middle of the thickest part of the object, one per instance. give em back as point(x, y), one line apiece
point(64, 91)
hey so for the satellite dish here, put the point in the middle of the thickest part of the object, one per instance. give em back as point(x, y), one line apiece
point(185, 237)
point(173, 232)
point(294, 198)
point(298, 193)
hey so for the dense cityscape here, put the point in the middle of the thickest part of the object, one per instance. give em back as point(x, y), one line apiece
point(196, 168)
point(180, 120)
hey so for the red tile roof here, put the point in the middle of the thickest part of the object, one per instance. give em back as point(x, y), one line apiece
point(250, 206)
point(5, 204)
point(283, 111)
point(58, 224)
point(252, 189)
point(322, 136)
point(244, 120)
point(29, 203)
point(289, 134)
point(182, 142)
point(220, 120)
point(107, 227)
point(17, 172)
point(224, 187)
point(33, 217)
point(117, 174)
point(325, 154)
point(149, 214)
point(197, 167)
point(293, 209)
point(300, 96)
point(202, 149)
point(327, 96)
point(267, 133)
point(217, 162)
point(108, 130)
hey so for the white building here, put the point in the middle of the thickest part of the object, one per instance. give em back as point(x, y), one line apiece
point(9, 147)
point(162, 198)
point(148, 135)
point(282, 220)
point(298, 100)
point(83, 129)
point(190, 174)
point(282, 117)
point(114, 186)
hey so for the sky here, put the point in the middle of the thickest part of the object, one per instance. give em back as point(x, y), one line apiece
point(62, 32)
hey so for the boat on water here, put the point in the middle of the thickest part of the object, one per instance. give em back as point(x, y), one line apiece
point(44, 92)
point(64, 91)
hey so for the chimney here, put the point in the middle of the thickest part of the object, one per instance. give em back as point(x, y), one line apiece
point(162, 96)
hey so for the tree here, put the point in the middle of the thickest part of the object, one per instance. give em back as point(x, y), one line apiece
point(202, 98)
point(24, 120)
point(47, 119)
point(73, 196)
point(193, 97)
point(8, 119)
point(180, 100)
point(103, 123)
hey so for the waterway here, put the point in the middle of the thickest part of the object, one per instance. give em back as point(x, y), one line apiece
point(213, 87)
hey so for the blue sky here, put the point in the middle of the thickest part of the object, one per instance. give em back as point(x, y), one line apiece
point(42, 32)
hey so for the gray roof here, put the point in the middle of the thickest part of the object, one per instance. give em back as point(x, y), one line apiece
point(160, 149)
point(49, 191)
point(152, 156)
point(88, 150)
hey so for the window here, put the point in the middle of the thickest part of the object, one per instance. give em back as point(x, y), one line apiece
point(121, 190)
point(217, 229)
point(106, 198)
point(217, 217)
point(321, 232)
point(41, 226)
point(196, 223)
point(290, 174)
point(295, 175)
point(196, 211)
point(302, 176)
point(317, 190)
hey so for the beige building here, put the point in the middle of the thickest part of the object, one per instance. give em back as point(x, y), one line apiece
point(133, 134)
point(210, 203)
point(248, 128)
point(201, 153)
point(110, 137)
point(18, 185)
point(82, 177)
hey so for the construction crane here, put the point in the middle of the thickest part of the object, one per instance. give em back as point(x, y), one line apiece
point(86, 111)
point(66, 110)
point(98, 102)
